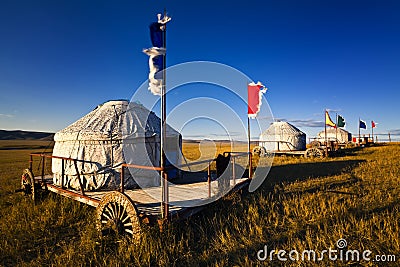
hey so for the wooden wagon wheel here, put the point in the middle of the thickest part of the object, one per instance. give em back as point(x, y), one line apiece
point(314, 152)
point(315, 143)
point(259, 150)
point(28, 183)
point(117, 213)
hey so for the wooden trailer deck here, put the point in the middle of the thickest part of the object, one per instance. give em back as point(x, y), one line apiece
point(290, 152)
point(184, 199)
point(123, 210)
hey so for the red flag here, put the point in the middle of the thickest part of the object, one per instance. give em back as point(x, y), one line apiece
point(254, 98)
point(373, 124)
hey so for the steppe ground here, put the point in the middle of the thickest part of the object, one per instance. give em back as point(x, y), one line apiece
point(304, 204)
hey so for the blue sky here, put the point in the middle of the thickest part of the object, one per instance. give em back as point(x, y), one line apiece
point(60, 59)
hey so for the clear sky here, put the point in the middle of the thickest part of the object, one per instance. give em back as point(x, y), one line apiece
point(60, 59)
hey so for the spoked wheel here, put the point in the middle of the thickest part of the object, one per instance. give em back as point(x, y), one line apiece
point(315, 143)
point(28, 183)
point(117, 214)
point(314, 152)
point(260, 151)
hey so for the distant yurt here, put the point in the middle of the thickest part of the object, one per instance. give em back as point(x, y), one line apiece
point(282, 135)
point(343, 136)
point(114, 133)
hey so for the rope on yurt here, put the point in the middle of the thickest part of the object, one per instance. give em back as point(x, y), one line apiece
point(77, 136)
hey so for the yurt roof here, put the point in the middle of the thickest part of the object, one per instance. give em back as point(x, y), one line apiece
point(120, 118)
point(282, 127)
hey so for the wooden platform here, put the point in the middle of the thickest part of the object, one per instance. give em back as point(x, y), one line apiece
point(183, 198)
point(290, 152)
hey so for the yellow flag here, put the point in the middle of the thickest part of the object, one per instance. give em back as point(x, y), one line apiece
point(328, 120)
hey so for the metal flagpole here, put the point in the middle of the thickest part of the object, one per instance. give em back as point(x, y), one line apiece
point(164, 178)
point(359, 134)
point(248, 131)
point(248, 148)
point(326, 141)
point(372, 128)
point(336, 127)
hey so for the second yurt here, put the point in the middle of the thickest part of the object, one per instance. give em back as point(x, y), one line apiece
point(339, 134)
point(281, 136)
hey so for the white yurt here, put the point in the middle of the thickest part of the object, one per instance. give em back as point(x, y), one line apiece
point(282, 135)
point(114, 133)
point(342, 135)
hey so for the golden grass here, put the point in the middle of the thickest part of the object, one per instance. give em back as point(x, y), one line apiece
point(195, 151)
point(303, 204)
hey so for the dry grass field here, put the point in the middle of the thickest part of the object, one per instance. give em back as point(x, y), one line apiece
point(303, 204)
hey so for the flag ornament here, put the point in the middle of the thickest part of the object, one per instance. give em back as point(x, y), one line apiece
point(328, 120)
point(340, 121)
point(255, 92)
point(156, 53)
point(373, 124)
point(363, 125)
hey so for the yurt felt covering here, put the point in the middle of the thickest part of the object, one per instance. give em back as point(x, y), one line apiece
point(342, 135)
point(282, 135)
point(115, 132)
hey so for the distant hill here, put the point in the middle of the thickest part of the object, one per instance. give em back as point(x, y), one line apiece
point(25, 135)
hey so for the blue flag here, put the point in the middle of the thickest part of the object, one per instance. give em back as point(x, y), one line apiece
point(157, 40)
point(156, 34)
point(156, 53)
point(363, 125)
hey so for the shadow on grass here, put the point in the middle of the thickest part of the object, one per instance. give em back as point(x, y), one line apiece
point(278, 240)
point(302, 171)
point(288, 173)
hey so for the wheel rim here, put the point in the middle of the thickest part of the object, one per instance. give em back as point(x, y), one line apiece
point(314, 153)
point(117, 214)
point(315, 144)
point(257, 150)
point(28, 183)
